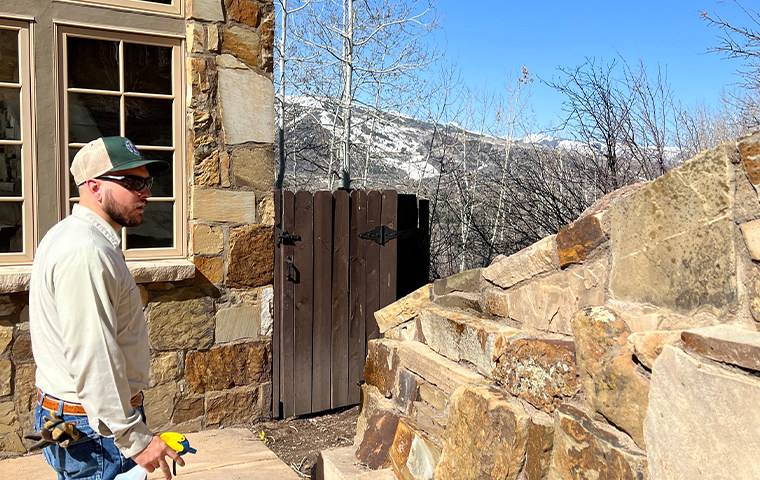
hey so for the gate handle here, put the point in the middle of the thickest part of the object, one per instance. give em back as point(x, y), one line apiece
point(291, 269)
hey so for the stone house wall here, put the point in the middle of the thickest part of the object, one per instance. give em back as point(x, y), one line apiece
point(624, 347)
point(209, 318)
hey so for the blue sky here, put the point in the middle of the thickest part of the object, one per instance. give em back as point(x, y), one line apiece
point(489, 38)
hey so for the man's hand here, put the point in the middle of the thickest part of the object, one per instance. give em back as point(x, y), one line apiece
point(154, 456)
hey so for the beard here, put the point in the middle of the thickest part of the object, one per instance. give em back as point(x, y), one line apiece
point(124, 215)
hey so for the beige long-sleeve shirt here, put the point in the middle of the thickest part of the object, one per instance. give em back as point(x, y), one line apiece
point(89, 336)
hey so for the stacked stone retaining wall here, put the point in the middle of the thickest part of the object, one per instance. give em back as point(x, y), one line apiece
point(624, 347)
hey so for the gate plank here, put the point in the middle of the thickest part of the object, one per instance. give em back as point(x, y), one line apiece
point(322, 329)
point(408, 247)
point(276, 333)
point(374, 207)
point(303, 297)
point(357, 327)
point(340, 327)
point(389, 251)
point(288, 250)
point(424, 239)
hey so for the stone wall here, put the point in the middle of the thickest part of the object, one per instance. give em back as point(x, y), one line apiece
point(211, 331)
point(624, 347)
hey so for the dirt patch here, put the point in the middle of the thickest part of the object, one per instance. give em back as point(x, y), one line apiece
point(298, 441)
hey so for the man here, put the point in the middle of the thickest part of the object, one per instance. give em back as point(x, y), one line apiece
point(89, 335)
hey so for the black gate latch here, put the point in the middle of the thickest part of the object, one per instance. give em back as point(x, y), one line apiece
point(380, 235)
point(286, 237)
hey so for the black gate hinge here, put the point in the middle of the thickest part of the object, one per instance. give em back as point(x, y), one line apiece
point(380, 235)
point(384, 234)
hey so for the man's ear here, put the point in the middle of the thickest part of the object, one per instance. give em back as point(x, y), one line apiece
point(94, 188)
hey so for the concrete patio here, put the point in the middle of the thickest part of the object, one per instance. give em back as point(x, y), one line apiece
point(226, 454)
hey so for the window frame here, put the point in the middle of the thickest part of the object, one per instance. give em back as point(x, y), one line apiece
point(180, 188)
point(175, 9)
point(26, 88)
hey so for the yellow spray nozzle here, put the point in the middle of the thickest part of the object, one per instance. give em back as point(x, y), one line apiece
point(178, 442)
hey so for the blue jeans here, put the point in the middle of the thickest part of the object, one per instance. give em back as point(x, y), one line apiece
point(93, 457)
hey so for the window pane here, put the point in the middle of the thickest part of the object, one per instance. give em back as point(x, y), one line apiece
point(163, 185)
point(92, 116)
point(11, 234)
point(148, 121)
point(157, 229)
point(73, 190)
point(9, 56)
point(10, 170)
point(147, 68)
point(93, 63)
point(10, 114)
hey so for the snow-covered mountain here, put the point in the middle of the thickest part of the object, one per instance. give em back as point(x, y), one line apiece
point(402, 148)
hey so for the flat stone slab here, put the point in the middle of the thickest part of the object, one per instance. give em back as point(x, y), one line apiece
point(541, 372)
point(377, 441)
point(485, 438)
point(576, 241)
point(702, 421)
point(434, 368)
point(466, 281)
point(534, 260)
point(403, 309)
point(584, 449)
point(226, 454)
point(725, 343)
point(461, 336)
point(647, 346)
point(673, 240)
point(341, 464)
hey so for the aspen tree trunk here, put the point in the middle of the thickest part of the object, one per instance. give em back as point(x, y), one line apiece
point(281, 137)
point(346, 99)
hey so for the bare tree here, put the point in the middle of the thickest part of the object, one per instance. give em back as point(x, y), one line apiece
point(700, 126)
point(282, 52)
point(360, 53)
point(625, 121)
point(740, 42)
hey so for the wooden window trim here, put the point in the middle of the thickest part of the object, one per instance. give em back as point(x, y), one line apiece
point(28, 150)
point(178, 128)
point(176, 9)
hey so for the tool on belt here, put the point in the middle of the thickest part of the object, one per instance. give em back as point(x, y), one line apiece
point(55, 430)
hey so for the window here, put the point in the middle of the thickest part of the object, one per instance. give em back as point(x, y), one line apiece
point(16, 144)
point(170, 7)
point(128, 85)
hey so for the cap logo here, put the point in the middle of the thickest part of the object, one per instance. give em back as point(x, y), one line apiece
point(131, 147)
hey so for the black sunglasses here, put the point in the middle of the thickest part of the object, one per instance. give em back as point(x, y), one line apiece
point(130, 182)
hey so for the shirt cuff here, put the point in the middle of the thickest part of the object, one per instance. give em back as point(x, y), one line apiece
point(134, 440)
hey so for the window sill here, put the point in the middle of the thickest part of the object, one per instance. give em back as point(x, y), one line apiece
point(161, 270)
point(14, 279)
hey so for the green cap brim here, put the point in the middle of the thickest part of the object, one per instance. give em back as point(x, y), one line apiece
point(154, 166)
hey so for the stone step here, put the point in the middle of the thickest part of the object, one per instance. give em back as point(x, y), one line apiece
point(434, 368)
point(341, 464)
point(463, 336)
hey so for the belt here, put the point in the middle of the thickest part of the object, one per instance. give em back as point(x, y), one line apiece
point(52, 404)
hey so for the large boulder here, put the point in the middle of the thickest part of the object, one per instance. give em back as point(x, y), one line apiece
point(485, 438)
point(541, 372)
point(584, 449)
point(702, 421)
point(673, 241)
point(611, 380)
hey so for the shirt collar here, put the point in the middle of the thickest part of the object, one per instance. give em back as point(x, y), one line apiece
point(93, 218)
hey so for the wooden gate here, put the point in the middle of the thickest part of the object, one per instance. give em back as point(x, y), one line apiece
point(339, 257)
